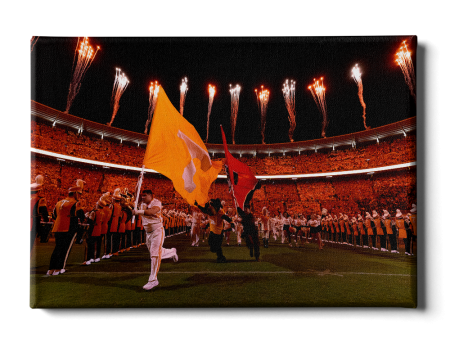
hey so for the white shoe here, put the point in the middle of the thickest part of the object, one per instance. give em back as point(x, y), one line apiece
point(55, 273)
point(365, 246)
point(175, 256)
point(104, 257)
point(407, 253)
point(62, 271)
point(91, 260)
point(48, 273)
point(394, 251)
point(86, 263)
point(150, 285)
point(383, 249)
point(374, 248)
point(97, 260)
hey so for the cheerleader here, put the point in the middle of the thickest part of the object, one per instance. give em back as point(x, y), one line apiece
point(286, 220)
point(196, 224)
point(238, 228)
point(227, 227)
point(314, 224)
point(265, 226)
point(302, 225)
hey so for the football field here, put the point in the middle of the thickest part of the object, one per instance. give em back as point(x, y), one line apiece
point(338, 275)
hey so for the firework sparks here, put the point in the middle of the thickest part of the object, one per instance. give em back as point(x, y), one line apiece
point(407, 67)
point(86, 55)
point(318, 92)
point(356, 74)
point(262, 98)
point(120, 84)
point(33, 41)
point(234, 107)
point(152, 98)
point(183, 91)
point(289, 99)
point(212, 91)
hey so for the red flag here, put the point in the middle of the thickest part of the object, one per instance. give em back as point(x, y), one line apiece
point(241, 180)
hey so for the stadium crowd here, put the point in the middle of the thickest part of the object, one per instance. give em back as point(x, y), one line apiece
point(387, 152)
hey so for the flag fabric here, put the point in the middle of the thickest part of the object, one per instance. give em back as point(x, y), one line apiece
point(241, 181)
point(176, 150)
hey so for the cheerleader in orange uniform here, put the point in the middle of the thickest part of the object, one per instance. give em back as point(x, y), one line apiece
point(403, 231)
point(390, 231)
point(380, 233)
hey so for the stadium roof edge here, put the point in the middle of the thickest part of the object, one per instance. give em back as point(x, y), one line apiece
point(374, 134)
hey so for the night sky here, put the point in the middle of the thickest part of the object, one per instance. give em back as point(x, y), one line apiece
point(249, 62)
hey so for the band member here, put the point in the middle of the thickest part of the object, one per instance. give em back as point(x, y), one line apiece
point(213, 209)
point(370, 229)
point(356, 232)
point(348, 230)
point(151, 210)
point(404, 231)
point(362, 231)
point(94, 239)
point(66, 214)
point(107, 210)
point(380, 232)
point(342, 228)
point(114, 223)
point(413, 225)
point(334, 227)
point(38, 211)
point(389, 230)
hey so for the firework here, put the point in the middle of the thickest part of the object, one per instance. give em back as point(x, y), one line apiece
point(318, 92)
point(84, 54)
point(234, 107)
point(356, 74)
point(212, 91)
point(152, 98)
point(407, 67)
point(120, 84)
point(183, 91)
point(33, 41)
point(289, 99)
point(262, 98)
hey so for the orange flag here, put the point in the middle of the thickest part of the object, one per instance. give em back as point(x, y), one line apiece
point(176, 150)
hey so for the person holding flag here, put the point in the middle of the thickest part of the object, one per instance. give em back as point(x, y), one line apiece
point(242, 184)
point(175, 150)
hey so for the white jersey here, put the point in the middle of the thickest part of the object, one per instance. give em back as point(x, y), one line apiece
point(152, 222)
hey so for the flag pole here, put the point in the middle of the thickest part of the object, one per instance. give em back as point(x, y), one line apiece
point(141, 176)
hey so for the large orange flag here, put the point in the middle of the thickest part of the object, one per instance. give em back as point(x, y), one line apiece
point(176, 150)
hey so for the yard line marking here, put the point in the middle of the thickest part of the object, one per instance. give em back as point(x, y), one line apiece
point(322, 273)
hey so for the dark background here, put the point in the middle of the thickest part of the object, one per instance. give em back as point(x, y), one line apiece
point(249, 62)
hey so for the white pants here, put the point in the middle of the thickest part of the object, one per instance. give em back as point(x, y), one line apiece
point(155, 241)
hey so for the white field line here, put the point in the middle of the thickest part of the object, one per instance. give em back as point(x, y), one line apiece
point(323, 273)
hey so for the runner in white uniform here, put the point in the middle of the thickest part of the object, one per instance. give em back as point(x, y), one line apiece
point(153, 224)
point(195, 228)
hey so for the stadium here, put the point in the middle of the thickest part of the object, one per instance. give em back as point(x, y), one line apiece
point(364, 171)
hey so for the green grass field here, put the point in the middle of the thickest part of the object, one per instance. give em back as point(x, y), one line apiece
point(336, 276)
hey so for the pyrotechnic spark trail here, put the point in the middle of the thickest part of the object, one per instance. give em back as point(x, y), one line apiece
point(289, 99)
point(318, 92)
point(120, 84)
point(33, 42)
point(356, 74)
point(234, 107)
point(85, 57)
point(262, 99)
point(183, 91)
point(212, 91)
point(152, 98)
point(407, 67)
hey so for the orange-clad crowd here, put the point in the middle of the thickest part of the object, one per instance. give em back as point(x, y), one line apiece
point(387, 152)
point(352, 195)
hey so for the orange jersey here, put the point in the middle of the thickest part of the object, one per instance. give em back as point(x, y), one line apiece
point(107, 211)
point(99, 215)
point(377, 222)
point(401, 228)
point(63, 214)
point(342, 225)
point(115, 218)
point(361, 227)
point(368, 227)
point(387, 224)
point(413, 219)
